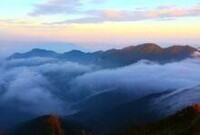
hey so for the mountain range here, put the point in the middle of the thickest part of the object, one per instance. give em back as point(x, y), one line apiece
point(117, 57)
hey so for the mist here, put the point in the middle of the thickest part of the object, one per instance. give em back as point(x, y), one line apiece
point(141, 78)
point(39, 86)
point(34, 85)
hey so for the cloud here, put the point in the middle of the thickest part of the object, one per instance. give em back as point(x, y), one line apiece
point(13, 21)
point(141, 79)
point(196, 54)
point(62, 7)
point(27, 94)
point(56, 7)
point(8, 21)
point(36, 61)
point(24, 83)
point(164, 12)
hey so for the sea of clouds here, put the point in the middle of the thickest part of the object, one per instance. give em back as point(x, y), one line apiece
point(45, 85)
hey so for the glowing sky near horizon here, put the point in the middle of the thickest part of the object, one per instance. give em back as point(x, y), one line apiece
point(119, 22)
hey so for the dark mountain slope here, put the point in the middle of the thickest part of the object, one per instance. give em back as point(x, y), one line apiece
point(117, 112)
point(49, 125)
point(185, 122)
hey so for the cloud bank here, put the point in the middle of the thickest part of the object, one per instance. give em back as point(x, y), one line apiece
point(45, 85)
point(30, 85)
point(142, 78)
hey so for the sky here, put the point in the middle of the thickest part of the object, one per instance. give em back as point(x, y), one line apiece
point(98, 24)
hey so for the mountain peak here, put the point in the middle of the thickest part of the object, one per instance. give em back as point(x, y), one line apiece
point(145, 48)
point(34, 53)
point(37, 50)
point(179, 48)
point(148, 48)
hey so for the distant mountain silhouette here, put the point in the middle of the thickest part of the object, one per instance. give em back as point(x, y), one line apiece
point(79, 56)
point(117, 57)
point(49, 125)
point(185, 122)
point(34, 53)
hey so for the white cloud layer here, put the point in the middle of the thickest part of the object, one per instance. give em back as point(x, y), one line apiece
point(43, 85)
point(142, 78)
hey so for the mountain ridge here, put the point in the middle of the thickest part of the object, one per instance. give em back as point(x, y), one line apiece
point(117, 57)
point(34, 52)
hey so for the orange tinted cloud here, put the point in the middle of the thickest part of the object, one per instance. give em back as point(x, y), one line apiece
point(161, 13)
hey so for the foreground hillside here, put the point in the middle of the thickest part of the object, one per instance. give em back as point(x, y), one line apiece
point(185, 122)
point(48, 125)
